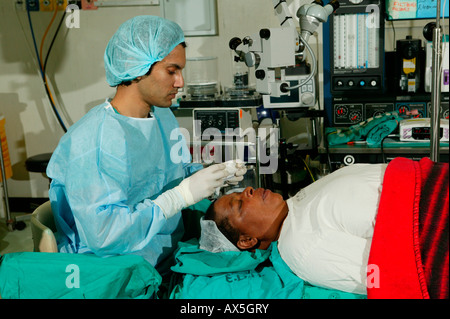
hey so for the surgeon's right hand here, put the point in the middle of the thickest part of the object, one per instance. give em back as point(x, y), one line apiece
point(203, 183)
point(192, 189)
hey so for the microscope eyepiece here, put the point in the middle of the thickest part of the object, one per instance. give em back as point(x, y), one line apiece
point(234, 43)
point(334, 4)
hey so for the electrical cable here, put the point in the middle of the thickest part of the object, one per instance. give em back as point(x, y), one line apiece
point(325, 140)
point(327, 148)
point(41, 57)
point(53, 40)
point(45, 35)
point(383, 155)
point(34, 41)
point(45, 64)
point(394, 43)
point(31, 51)
point(47, 89)
point(313, 68)
point(307, 167)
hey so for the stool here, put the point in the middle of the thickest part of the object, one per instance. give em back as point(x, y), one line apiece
point(38, 163)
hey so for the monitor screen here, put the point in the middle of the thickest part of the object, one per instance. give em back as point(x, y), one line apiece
point(414, 9)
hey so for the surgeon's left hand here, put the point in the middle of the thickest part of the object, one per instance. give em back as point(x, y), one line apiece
point(192, 189)
point(198, 186)
point(202, 184)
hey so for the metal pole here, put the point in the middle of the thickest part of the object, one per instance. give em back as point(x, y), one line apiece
point(9, 221)
point(258, 164)
point(436, 88)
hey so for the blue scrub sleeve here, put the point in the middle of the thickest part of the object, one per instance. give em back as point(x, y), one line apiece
point(101, 216)
point(191, 168)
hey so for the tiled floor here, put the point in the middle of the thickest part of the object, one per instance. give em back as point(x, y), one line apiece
point(16, 240)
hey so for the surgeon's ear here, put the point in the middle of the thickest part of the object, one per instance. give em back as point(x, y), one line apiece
point(246, 242)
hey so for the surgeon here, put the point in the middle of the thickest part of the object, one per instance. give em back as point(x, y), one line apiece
point(122, 173)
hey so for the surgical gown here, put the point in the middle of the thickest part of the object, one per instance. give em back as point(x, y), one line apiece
point(105, 173)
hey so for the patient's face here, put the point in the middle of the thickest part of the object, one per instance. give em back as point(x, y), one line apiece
point(258, 213)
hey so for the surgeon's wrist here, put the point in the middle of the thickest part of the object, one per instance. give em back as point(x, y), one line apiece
point(185, 193)
point(170, 202)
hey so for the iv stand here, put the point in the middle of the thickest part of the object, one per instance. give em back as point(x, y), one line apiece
point(436, 87)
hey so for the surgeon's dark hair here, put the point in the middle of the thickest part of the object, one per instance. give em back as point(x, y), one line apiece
point(136, 80)
point(223, 225)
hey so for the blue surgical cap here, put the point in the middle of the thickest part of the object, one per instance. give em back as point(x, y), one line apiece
point(137, 44)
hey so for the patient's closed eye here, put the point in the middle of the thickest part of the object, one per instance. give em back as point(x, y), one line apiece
point(237, 204)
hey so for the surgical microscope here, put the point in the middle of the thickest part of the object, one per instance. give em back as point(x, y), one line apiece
point(273, 51)
point(283, 76)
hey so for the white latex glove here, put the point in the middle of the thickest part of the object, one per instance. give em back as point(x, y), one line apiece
point(202, 183)
point(192, 189)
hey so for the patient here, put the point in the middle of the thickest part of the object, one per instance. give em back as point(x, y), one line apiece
point(324, 232)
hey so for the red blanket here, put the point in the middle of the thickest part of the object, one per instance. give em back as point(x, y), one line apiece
point(409, 253)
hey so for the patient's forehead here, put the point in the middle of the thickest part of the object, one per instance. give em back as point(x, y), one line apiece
point(221, 201)
point(222, 206)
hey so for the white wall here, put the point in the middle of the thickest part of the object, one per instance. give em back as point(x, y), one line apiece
point(76, 72)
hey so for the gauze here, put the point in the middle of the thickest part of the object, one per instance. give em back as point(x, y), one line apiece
point(236, 170)
point(212, 239)
point(137, 44)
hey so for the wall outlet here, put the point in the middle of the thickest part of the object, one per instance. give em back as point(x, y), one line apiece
point(62, 4)
point(88, 5)
point(49, 5)
point(32, 5)
point(46, 5)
